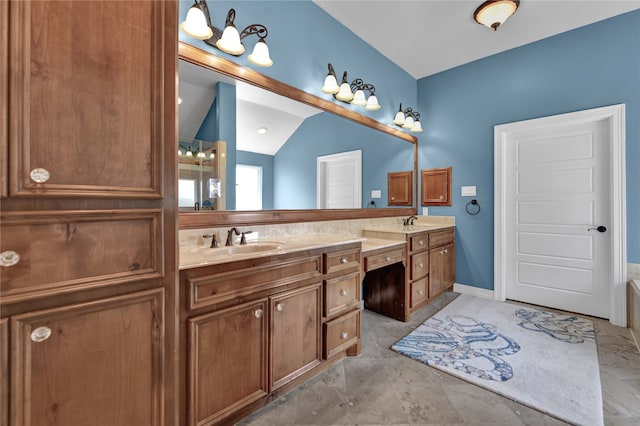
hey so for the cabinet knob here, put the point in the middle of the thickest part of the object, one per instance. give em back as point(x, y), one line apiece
point(344, 335)
point(420, 292)
point(344, 260)
point(40, 334)
point(258, 313)
point(343, 292)
point(445, 250)
point(388, 258)
point(393, 198)
point(39, 175)
point(9, 258)
point(279, 307)
point(441, 251)
point(421, 242)
point(421, 265)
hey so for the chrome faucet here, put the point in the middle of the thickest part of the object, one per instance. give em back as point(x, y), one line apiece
point(229, 241)
point(409, 221)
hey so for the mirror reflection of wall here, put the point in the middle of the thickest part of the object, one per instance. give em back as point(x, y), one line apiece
point(284, 138)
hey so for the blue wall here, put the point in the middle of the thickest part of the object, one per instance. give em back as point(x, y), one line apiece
point(323, 134)
point(302, 40)
point(589, 67)
point(266, 162)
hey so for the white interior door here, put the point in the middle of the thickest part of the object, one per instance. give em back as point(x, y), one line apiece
point(339, 182)
point(557, 194)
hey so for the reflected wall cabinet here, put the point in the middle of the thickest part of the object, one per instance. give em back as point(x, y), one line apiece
point(399, 188)
point(435, 187)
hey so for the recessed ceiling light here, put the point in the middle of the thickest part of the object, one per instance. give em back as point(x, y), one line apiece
point(262, 130)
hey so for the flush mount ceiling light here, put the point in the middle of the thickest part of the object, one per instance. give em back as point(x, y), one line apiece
point(198, 25)
point(494, 13)
point(408, 119)
point(262, 130)
point(351, 93)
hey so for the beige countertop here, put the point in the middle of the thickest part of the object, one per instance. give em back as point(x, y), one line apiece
point(403, 230)
point(371, 244)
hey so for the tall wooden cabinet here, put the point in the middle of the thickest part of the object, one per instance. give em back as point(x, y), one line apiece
point(88, 219)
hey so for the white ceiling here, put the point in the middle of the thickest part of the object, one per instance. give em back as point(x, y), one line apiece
point(425, 37)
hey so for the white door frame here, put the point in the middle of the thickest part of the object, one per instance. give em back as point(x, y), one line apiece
point(615, 115)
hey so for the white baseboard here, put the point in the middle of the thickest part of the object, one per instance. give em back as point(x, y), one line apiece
point(473, 291)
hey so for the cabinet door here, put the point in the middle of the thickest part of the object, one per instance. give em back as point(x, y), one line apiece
point(86, 89)
point(227, 361)
point(441, 269)
point(295, 333)
point(97, 363)
point(400, 188)
point(4, 95)
point(435, 187)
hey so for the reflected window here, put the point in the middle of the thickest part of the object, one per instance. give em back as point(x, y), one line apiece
point(248, 187)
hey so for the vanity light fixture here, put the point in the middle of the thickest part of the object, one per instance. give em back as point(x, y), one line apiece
point(198, 25)
point(494, 13)
point(408, 119)
point(353, 92)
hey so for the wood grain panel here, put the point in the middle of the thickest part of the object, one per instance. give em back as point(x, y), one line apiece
point(87, 88)
point(4, 97)
point(383, 259)
point(341, 294)
point(418, 242)
point(419, 265)
point(223, 286)
point(4, 372)
point(102, 364)
point(400, 188)
point(435, 186)
point(295, 333)
point(78, 250)
point(342, 260)
point(440, 237)
point(227, 361)
point(419, 292)
point(341, 333)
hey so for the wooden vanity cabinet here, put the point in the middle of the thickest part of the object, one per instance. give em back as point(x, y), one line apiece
point(257, 327)
point(442, 262)
point(435, 187)
point(4, 371)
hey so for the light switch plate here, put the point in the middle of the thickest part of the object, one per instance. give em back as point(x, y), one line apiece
point(376, 193)
point(425, 211)
point(468, 191)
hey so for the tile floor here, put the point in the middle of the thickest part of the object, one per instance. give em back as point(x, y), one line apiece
point(380, 387)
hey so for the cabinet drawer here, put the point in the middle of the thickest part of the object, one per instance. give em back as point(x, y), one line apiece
point(73, 250)
point(341, 333)
point(418, 242)
point(419, 265)
point(419, 292)
point(220, 287)
point(440, 237)
point(341, 293)
point(383, 259)
point(341, 260)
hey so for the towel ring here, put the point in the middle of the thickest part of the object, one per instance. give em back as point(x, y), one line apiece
point(471, 209)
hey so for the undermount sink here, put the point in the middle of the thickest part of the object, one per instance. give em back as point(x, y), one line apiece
point(251, 247)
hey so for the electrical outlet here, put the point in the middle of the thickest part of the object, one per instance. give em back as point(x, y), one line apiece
point(468, 191)
point(425, 211)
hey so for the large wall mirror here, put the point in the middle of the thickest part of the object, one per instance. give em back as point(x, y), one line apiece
point(254, 150)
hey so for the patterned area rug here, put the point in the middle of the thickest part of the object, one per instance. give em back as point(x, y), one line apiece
point(544, 360)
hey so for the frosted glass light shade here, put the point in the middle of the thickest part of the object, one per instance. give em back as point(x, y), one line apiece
point(260, 55)
point(330, 85)
point(230, 41)
point(358, 98)
point(195, 25)
point(492, 14)
point(189, 153)
point(399, 118)
point(201, 154)
point(345, 94)
point(372, 104)
point(408, 122)
point(416, 128)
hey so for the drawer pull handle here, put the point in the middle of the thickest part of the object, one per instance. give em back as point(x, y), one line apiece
point(343, 292)
point(39, 175)
point(344, 260)
point(388, 258)
point(279, 307)
point(258, 313)
point(9, 258)
point(343, 336)
point(40, 334)
point(420, 292)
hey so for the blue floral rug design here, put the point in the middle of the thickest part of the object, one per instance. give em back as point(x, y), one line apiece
point(547, 361)
point(463, 343)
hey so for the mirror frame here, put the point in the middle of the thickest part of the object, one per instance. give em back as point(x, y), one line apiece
point(223, 66)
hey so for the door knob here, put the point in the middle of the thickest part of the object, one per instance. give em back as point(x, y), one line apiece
point(599, 228)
